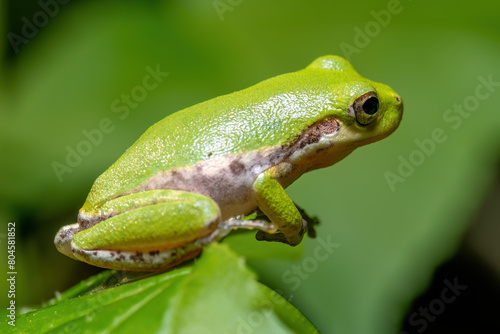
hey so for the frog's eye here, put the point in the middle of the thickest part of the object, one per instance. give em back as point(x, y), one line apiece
point(365, 108)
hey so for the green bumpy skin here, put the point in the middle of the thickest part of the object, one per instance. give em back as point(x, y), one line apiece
point(189, 179)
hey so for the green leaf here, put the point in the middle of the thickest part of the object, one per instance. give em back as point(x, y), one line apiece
point(101, 281)
point(216, 294)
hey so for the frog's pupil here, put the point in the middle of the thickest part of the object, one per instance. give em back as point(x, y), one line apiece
point(371, 106)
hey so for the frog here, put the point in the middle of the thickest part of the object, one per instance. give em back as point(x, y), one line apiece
point(201, 172)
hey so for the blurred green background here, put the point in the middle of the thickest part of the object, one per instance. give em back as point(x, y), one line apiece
point(394, 211)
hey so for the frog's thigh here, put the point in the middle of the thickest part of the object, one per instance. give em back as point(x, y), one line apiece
point(279, 208)
point(154, 236)
point(176, 219)
point(149, 197)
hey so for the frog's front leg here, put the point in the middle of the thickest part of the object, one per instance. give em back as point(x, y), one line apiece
point(279, 208)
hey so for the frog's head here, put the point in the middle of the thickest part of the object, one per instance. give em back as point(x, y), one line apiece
point(368, 111)
point(363, 111)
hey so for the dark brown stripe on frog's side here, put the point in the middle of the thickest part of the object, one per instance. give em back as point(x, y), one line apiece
point(87, 221)
point(314, 133)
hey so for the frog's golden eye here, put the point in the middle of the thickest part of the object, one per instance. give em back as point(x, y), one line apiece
point(365, 108)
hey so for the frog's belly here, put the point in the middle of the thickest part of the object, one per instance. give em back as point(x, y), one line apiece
point(227, 180)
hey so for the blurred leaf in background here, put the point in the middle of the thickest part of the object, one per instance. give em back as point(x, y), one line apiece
point(73, 99)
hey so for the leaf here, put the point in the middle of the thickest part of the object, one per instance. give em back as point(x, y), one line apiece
point(216, 294)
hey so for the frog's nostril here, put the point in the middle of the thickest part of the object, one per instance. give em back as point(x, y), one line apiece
point(397, 98)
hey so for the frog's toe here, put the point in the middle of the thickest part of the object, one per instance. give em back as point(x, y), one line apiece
point(276, 237)
point(291, 239)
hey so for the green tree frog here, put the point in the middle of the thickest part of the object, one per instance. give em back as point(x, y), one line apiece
point(192, 177)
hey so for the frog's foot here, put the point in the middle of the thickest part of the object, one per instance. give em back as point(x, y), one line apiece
point(312, 222)
point(280, 237)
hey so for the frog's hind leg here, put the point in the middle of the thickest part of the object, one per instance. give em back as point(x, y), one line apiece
point(152, 231)
point(163, 259)
point(159, 260)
